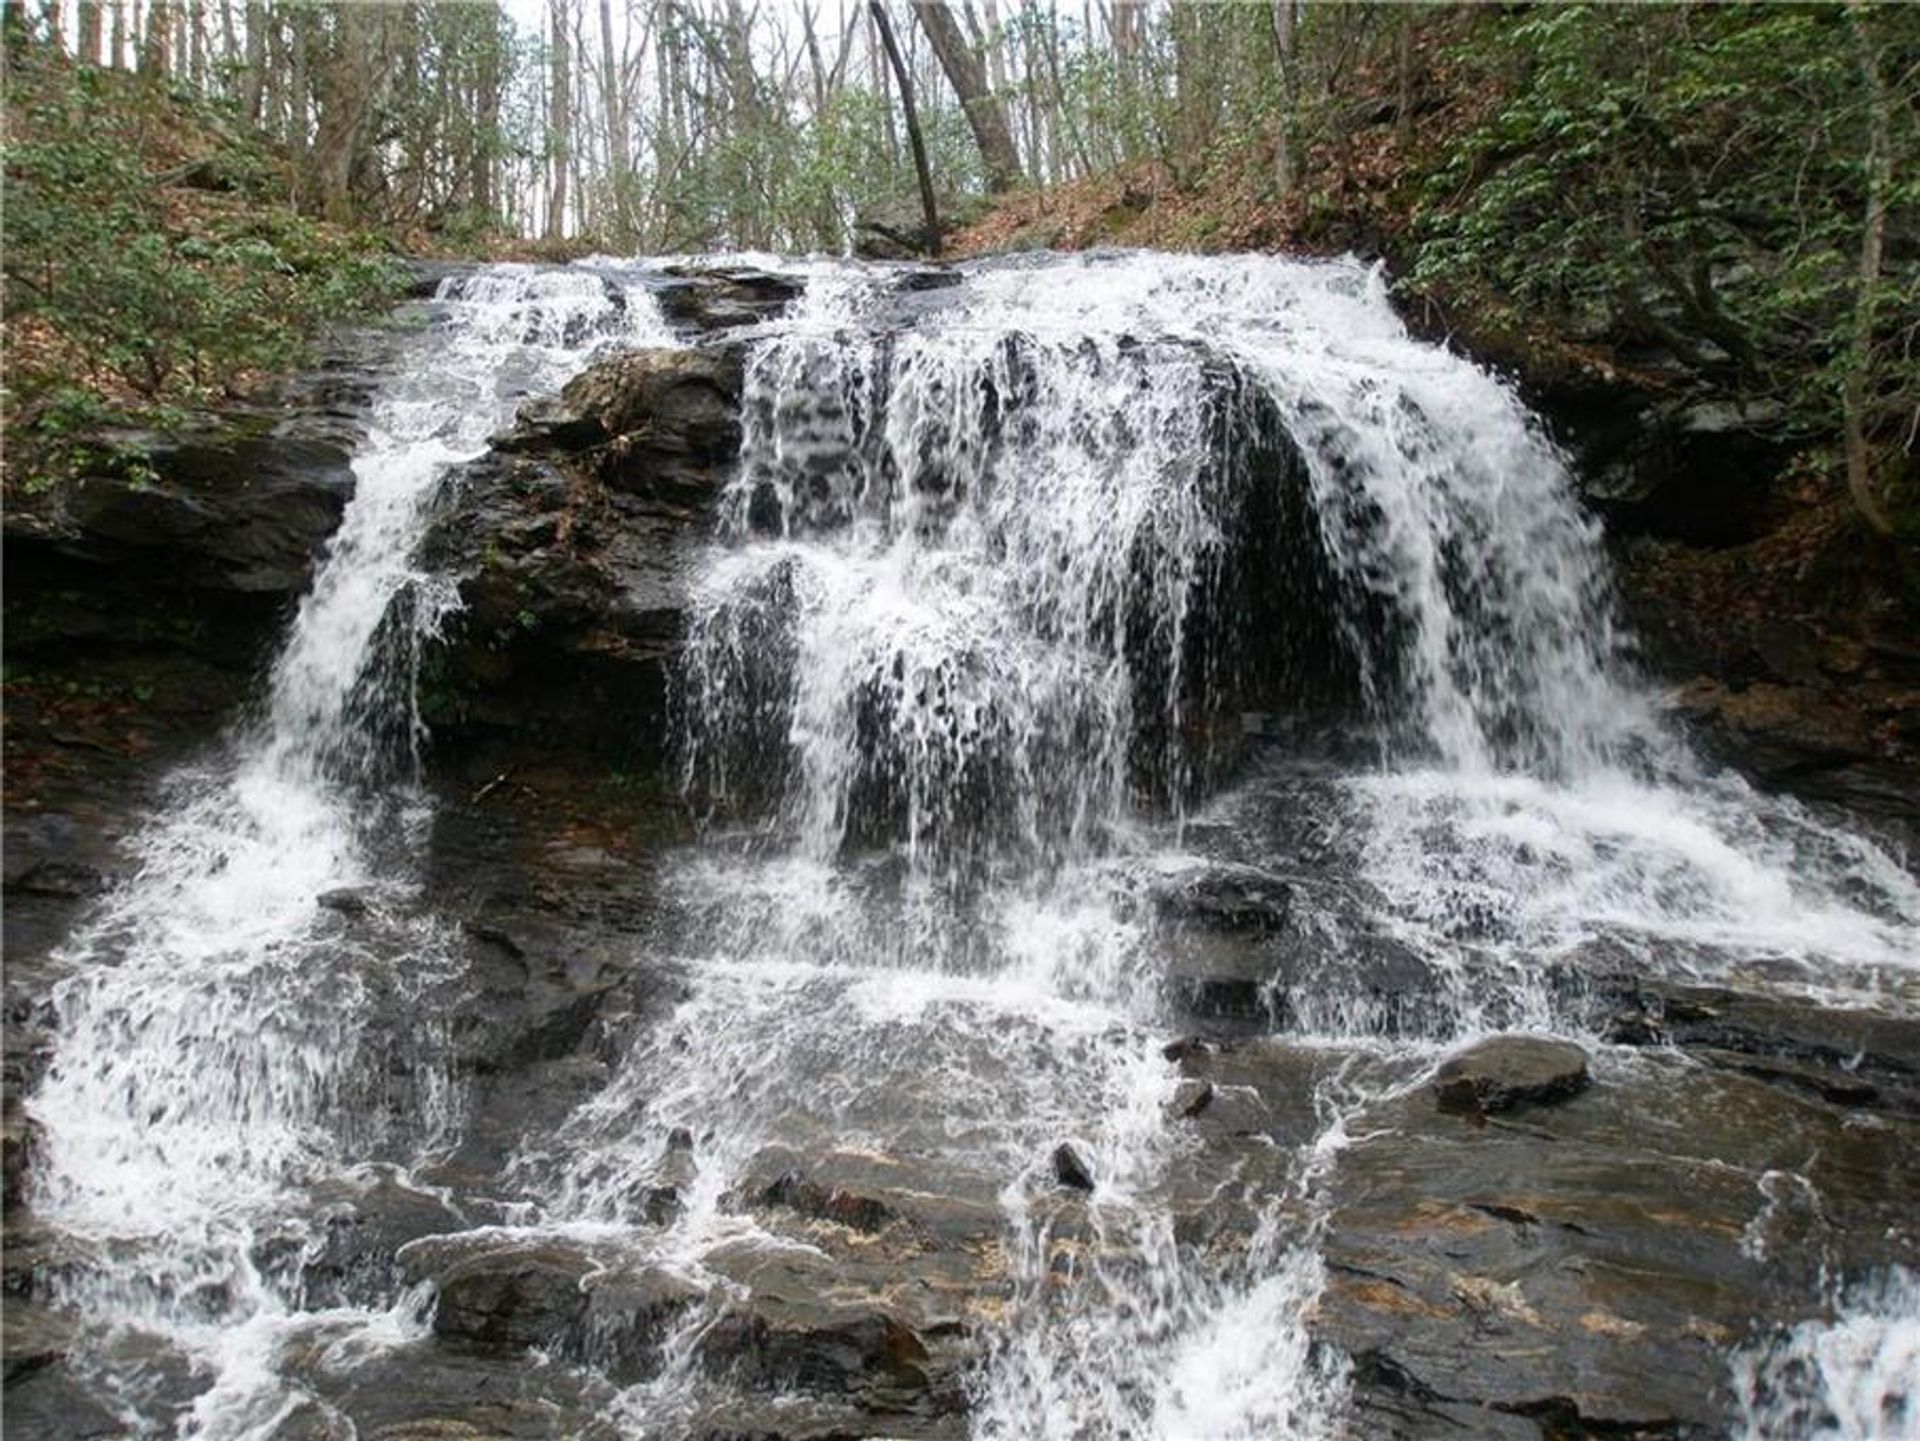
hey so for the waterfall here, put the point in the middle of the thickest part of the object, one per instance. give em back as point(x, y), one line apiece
point(217, 1054)
point(976, 617)
point(1044, 612)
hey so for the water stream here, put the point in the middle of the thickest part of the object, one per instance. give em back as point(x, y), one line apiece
point(1037, 605)
point(225, 1049)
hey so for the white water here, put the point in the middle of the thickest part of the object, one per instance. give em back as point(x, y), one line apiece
point(1855, 1377)
point(970, 637)
point(216, 1055)
point(953, 638)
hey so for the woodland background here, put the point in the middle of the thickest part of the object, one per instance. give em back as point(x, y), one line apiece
point(1713, 204)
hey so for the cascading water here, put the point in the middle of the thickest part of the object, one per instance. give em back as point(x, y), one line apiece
point(217, 1057)
point(971, 632)
point(1049, 610)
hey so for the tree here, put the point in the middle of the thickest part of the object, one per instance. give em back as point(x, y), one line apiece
point(965, 74)
point(928, 209)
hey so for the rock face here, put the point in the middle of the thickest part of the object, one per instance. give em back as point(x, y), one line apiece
point(574, 537)
point(1539, 1241)
point(1584, 1268)
point(194, 542)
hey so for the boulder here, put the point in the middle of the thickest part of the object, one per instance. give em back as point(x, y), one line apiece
point(724, 299)
point(504, 1293)
point(1070, 1168)
point(575, 539)
point(1506, 1072)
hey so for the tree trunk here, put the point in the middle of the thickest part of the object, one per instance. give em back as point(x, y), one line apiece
point(346, 83)
point(985, 114)
point(154, 56)
point(619, 157)
point(254, 78)
point(879, 13)
point(486, 122)
point(1858, 390)
point(557, 117)
point(1283, 131)
point(92, 32)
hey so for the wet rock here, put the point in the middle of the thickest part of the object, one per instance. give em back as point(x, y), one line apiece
point(19, 1139)
point(1225, 899)
point(361, 1230)
point(435, 1390)
point(1188, 1050)
point(1590, 1266)
point(792, 1333)
point(659, 424)
point(1070, 1168)
point(1506, 1072)
point(575, 539)
point(1852, 1056)
point(1811, 740)
point(1190, 1098)
point(509, 1293)
point(712, 300)
point(843, 1208)
point(346, 900)
point(49, 1399)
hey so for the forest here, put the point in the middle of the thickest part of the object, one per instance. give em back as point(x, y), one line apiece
point(1721, 194)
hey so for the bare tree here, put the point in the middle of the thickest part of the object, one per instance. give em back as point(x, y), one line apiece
point(925, 175)
point(985, 114)
point(558, 117)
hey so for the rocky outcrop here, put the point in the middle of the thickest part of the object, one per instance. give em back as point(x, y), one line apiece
point(1528, 1271)
point(574, 538)
point(197, 540)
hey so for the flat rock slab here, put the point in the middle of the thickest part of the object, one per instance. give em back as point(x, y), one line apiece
point(1504, 1073)
point(1591, 1265)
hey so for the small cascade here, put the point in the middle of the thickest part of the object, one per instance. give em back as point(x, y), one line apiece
point(225, 1045)
point(1853, 1378)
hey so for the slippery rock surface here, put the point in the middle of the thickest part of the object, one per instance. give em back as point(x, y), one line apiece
point(194, 542)
point(1533, 1239)
point(1509, 1072)
point(1587, 1266)
point(574, 539)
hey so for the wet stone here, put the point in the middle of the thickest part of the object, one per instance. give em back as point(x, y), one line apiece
point(1506, 1072)
point(510, 1294)
point(1070, 1168)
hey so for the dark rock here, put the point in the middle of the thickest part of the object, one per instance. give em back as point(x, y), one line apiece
point(19, 1138)
point(509, 1293)
point(1689, 470)
point(575, 539)
point(792, 1330)
point(712, 300)
point(1070, 1170)
point(346, 900)
point(895, 232)
point(843, 1208)
point(51, 1400)
point(1191, 1097)
point(1505, 1072)
point(1805, 739)
point(1858, 1057)
point(1590, 1266)
point(1187, 1049)
point(1224, 899)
